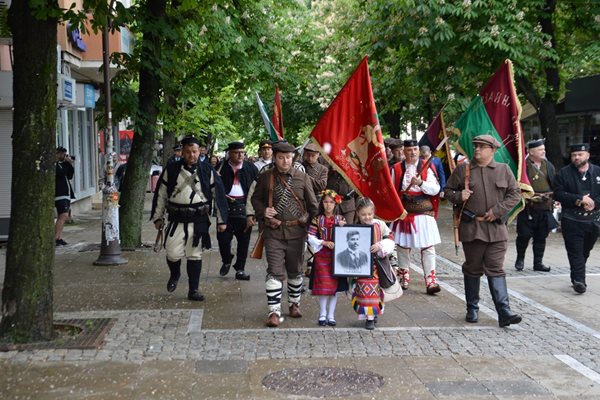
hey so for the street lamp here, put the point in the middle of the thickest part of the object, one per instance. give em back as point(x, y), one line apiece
point(110, 247)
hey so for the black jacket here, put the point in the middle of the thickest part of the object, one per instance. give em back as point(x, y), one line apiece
point(62, 186)
point(246, 175)
point(568, 187)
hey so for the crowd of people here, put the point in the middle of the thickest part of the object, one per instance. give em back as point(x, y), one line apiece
point(297, 201)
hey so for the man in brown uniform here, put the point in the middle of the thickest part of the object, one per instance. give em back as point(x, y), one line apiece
point(314, 169)
point(284, 199)
point(491, 192)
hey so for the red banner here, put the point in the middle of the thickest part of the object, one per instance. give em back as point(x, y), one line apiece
point(433, 136)
point(350, 137)
point(277, 116)
point(504, 109)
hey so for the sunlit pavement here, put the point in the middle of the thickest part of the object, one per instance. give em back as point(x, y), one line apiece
point(163, 346)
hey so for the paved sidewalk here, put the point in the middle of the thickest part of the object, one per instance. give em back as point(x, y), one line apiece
point(164, 347)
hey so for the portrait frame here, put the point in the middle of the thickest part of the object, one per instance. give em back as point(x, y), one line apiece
point(344, 264)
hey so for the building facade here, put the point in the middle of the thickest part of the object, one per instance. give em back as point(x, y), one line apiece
point(80, 80)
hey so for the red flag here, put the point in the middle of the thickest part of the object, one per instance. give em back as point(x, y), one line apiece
point(350, 136)
point(433, 136)
point(277, 116)
point(504, 109)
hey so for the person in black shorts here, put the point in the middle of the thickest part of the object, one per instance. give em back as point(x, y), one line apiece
point(63, 192)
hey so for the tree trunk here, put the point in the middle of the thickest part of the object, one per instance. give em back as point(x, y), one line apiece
point(549, 129)
point(27, 313)
point(169, 139)
point(392, 122)
point(140, 158)
point(547, 110)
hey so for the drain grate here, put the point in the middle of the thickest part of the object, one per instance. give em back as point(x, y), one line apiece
point(322, 382)
point(89, 334)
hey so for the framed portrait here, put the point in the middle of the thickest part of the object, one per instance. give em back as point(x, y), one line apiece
point(352, 250)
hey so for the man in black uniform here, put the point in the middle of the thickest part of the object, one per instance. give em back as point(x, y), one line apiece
point(237, 176)
point(577, 188)
point(536, 221)
point(185, 190)
point(176, 154)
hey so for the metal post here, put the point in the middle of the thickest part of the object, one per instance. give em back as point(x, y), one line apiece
point(110, 248)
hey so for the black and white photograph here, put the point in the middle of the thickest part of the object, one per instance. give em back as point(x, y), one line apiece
point(352, 256)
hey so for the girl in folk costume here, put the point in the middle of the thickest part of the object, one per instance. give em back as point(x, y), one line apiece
point(367, 295)
point(322, 281)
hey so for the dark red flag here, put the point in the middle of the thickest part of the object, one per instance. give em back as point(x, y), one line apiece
point(350, 136)
point(277, 115)
point(504, 109)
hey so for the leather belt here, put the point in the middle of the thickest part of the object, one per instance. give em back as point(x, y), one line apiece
point(482, 219)
point(291, 223)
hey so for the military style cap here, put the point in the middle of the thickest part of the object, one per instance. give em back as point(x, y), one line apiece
point(487, 139)
point(396, 143)
point(190, 140)
point(410, 143)
point(388, 141)
point(579, 147)
point(177, 147)
point(265, 144)
point(532, 144)
point(312, 147)
point(61, 149)
point(235, 146)
point(283, 147)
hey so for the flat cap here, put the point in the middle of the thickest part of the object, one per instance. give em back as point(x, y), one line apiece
point(388, 141)
point(312, 147)
point(410, 143)
point(283, 147)
point(487, 139)
point(189, 140)
point(532, 144)
point(235, 146)
point(579, 147)
point(265, 144)
point(396, 143)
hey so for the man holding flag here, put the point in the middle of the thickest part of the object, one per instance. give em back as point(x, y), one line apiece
point(484, 191)
point(418, 188)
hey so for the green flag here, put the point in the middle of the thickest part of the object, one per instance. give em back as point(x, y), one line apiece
point(268, 124)
point(475, 121)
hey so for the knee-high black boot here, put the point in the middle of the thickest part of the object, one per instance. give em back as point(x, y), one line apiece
point(538, 254)
point(175, 268)
point(472, 297)
point(522, 244)
point(194, 268)
point(499, 293)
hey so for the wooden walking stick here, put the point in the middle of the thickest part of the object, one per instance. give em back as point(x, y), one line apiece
point(257, 250)
point(456, 217)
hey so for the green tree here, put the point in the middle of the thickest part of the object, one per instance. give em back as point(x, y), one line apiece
point(27, 313)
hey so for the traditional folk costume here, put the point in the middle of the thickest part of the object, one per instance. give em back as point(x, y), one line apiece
point(537, 220)
point(322, 282)
point(367, 295)
point(291, 195)
point(236, 181)
point(186, 194)
point(419, 229)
